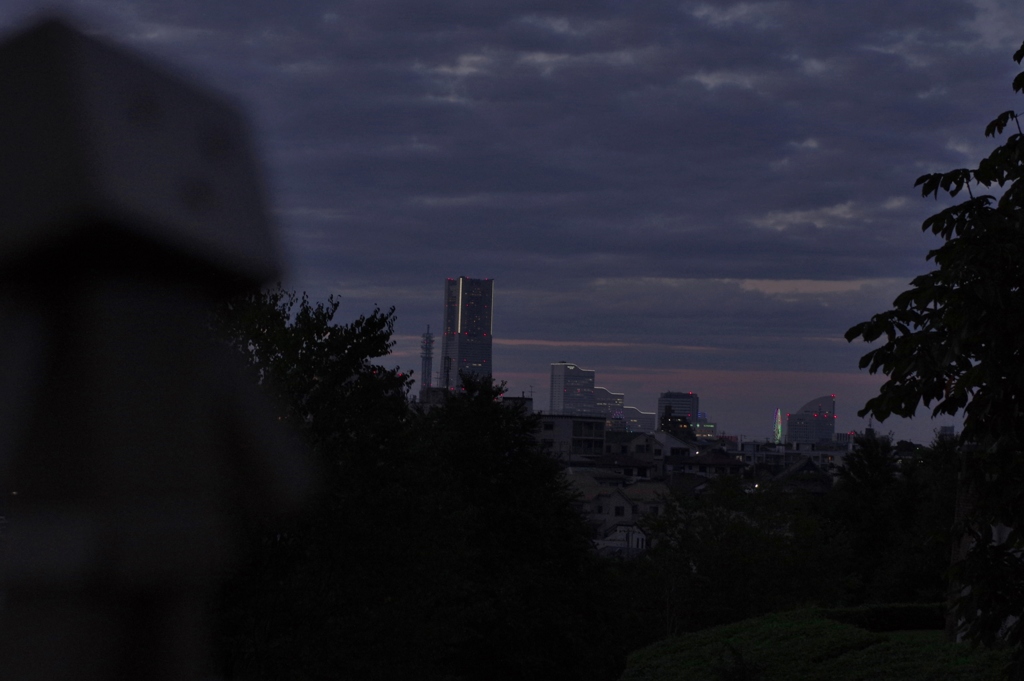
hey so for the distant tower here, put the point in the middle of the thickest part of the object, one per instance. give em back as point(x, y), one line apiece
point(777, 430)
point(466, 343)
point(426, 362)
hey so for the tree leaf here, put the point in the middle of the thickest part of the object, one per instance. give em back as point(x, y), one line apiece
point(999, 123)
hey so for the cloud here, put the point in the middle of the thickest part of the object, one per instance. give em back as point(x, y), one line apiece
point(758, 15)
point(466, 65)
point(909, 47)
point(636, 347)
point(562, 25)
point(813, 286)
point(644, 180)
point(997, 23)
point(823, 218)
point(717, 79)
point(807, 144)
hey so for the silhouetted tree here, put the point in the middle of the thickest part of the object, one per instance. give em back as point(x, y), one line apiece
point(870, 469)
point(734, 552)
point(278, 612)
point(952, 342)
point(536, 597)
point(443, 545)
point(896, 514)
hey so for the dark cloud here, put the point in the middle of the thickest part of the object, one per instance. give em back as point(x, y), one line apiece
point(619, 168)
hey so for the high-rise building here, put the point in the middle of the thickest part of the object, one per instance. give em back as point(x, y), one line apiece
point(814, 423)
point(609, 404)
point(637, 421)
point(685, 405)
point(572, 390)
point(468, 324)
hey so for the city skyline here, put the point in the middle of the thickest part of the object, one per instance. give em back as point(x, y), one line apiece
point(700, 195)
point(583, 384)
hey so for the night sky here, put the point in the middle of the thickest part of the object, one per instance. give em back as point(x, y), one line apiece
point(692, 196)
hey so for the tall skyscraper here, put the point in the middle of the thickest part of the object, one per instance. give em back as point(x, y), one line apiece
point(572, 390)
point(468, 323)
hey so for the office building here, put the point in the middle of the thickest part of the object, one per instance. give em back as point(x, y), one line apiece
point(637, 421)
point(572, 390)
point(609, 404)
point(815, 423)
point(468, 325)
point(683, 405)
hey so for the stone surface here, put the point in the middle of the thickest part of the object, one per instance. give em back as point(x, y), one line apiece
point(96, 139)
point(133, 449)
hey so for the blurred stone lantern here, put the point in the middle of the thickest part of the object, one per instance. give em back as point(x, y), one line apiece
point(130, 201)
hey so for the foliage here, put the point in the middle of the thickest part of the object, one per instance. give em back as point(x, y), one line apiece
point(896, 515)
point(728, 554)
point(734, 666)
point(952, 342)
point(537, 594)
point(321, 372)
point(274, 613)
point(870, 468)
point(445, 544)
point(806, 645)
point(892, 616)
point(880, 535)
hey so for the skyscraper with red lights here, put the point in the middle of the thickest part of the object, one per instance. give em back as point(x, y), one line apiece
point(468, 323)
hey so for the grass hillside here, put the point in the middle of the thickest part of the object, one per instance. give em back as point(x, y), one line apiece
point(810, 645)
